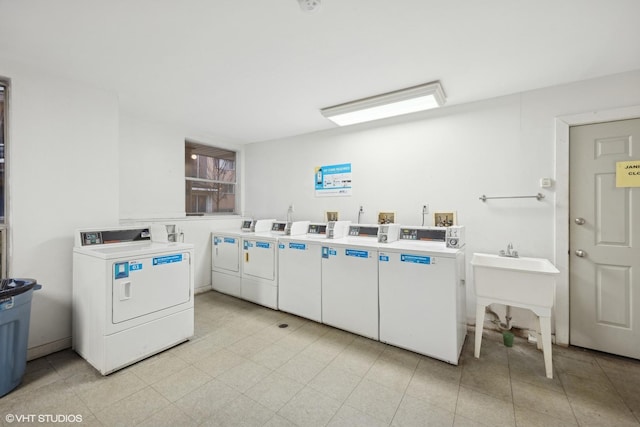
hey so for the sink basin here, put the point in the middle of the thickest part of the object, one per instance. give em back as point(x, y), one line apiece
point(522, 282)
point(519, 282)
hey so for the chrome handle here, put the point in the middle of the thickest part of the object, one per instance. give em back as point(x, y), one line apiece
point(581, 253)
point(579, 221)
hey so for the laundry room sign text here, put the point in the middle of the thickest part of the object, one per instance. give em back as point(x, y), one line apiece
point(628, 174)
point(332, 180)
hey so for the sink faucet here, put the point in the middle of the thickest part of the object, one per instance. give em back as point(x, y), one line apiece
point(509, 252)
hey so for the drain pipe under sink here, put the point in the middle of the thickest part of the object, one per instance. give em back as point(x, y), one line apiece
point(503, 326)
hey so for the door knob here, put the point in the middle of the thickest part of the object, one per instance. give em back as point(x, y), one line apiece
point(581, 253)
point(579, 221)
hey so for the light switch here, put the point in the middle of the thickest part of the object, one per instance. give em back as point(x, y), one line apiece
point(545, 182)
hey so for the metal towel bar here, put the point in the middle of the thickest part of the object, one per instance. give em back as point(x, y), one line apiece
point(538, 196)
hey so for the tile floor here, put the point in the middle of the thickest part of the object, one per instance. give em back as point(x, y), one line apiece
point(242, 369)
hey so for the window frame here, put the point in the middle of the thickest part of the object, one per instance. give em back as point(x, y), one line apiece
point(4, 220)
point(202, 149)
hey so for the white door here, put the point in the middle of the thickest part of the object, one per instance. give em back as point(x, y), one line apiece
point(259, 259)
point(299, 285)
point(146, 285)
point(604, 239)
point(226, 253)
point(418, 303)
point(350, 289)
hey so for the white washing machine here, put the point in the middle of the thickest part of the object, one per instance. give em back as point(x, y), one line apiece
point(423, 294)
point(259, 276)
point(132, 297)
point(350, 281)
point(226, 254)
point(299, 269)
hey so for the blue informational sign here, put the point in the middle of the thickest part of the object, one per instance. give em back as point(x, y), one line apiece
point(281, 245)
point(415, 259)
point(333, 180)
point(299, 246)
point(263, 245)
point(216, 241)
point(356, 253)
point(168, 259)
point(384, 258)
point(229, 240)
point(135, 266)
point(121, 270)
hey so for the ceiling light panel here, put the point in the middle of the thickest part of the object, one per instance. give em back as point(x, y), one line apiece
point(405, 101)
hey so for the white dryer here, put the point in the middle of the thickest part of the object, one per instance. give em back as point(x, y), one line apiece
point(226, 253)
point(350, 281)
point(299, 269)
point(423, 294)
point(132, 297)
point(259, 278)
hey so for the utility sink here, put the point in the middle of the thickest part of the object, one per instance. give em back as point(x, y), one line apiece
point(521, 282)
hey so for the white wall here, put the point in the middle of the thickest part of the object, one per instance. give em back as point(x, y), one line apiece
point(63, 175)
point(151, 169)
point(448, 158)
point(152, 184)
point(76, 161)
point(152, 166)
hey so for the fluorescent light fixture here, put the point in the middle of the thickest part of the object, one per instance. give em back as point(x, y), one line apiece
point(405, 101)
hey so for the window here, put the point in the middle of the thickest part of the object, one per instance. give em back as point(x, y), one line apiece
point(210, 178)
point(4, 89)
point(3, 97)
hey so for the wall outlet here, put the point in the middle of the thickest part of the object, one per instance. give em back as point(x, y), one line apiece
point(361, 209)
point(291, 208)
point(425, 208)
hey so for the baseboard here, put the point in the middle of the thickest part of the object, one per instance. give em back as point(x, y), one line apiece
point(202, 289)
point(46, 349)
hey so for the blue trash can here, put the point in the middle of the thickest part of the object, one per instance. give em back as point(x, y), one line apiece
point(15, 312)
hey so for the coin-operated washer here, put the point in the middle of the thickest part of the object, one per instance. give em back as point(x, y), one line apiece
point(226, 255)
point(299, 268)
point(132, 297)
point(350, 280)
point(259, 279)
point(422, 292)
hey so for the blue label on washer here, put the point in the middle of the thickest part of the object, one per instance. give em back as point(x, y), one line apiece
point(229, 240)
point(416, 259)
point(169, 259)
point(6, 304)
point(135, 266)
point(246, 245)
point(263, 245)
point(299, 246)
point(327, 252)
point(281, 245)
point(357, 254)
point(384, 258)
point(216, 240)
point(121, 270)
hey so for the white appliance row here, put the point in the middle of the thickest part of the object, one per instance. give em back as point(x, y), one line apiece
point(409, 293)
point(244, 263)
point(132, 297)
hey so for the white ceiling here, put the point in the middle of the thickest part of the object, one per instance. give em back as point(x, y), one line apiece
point(255, 70)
